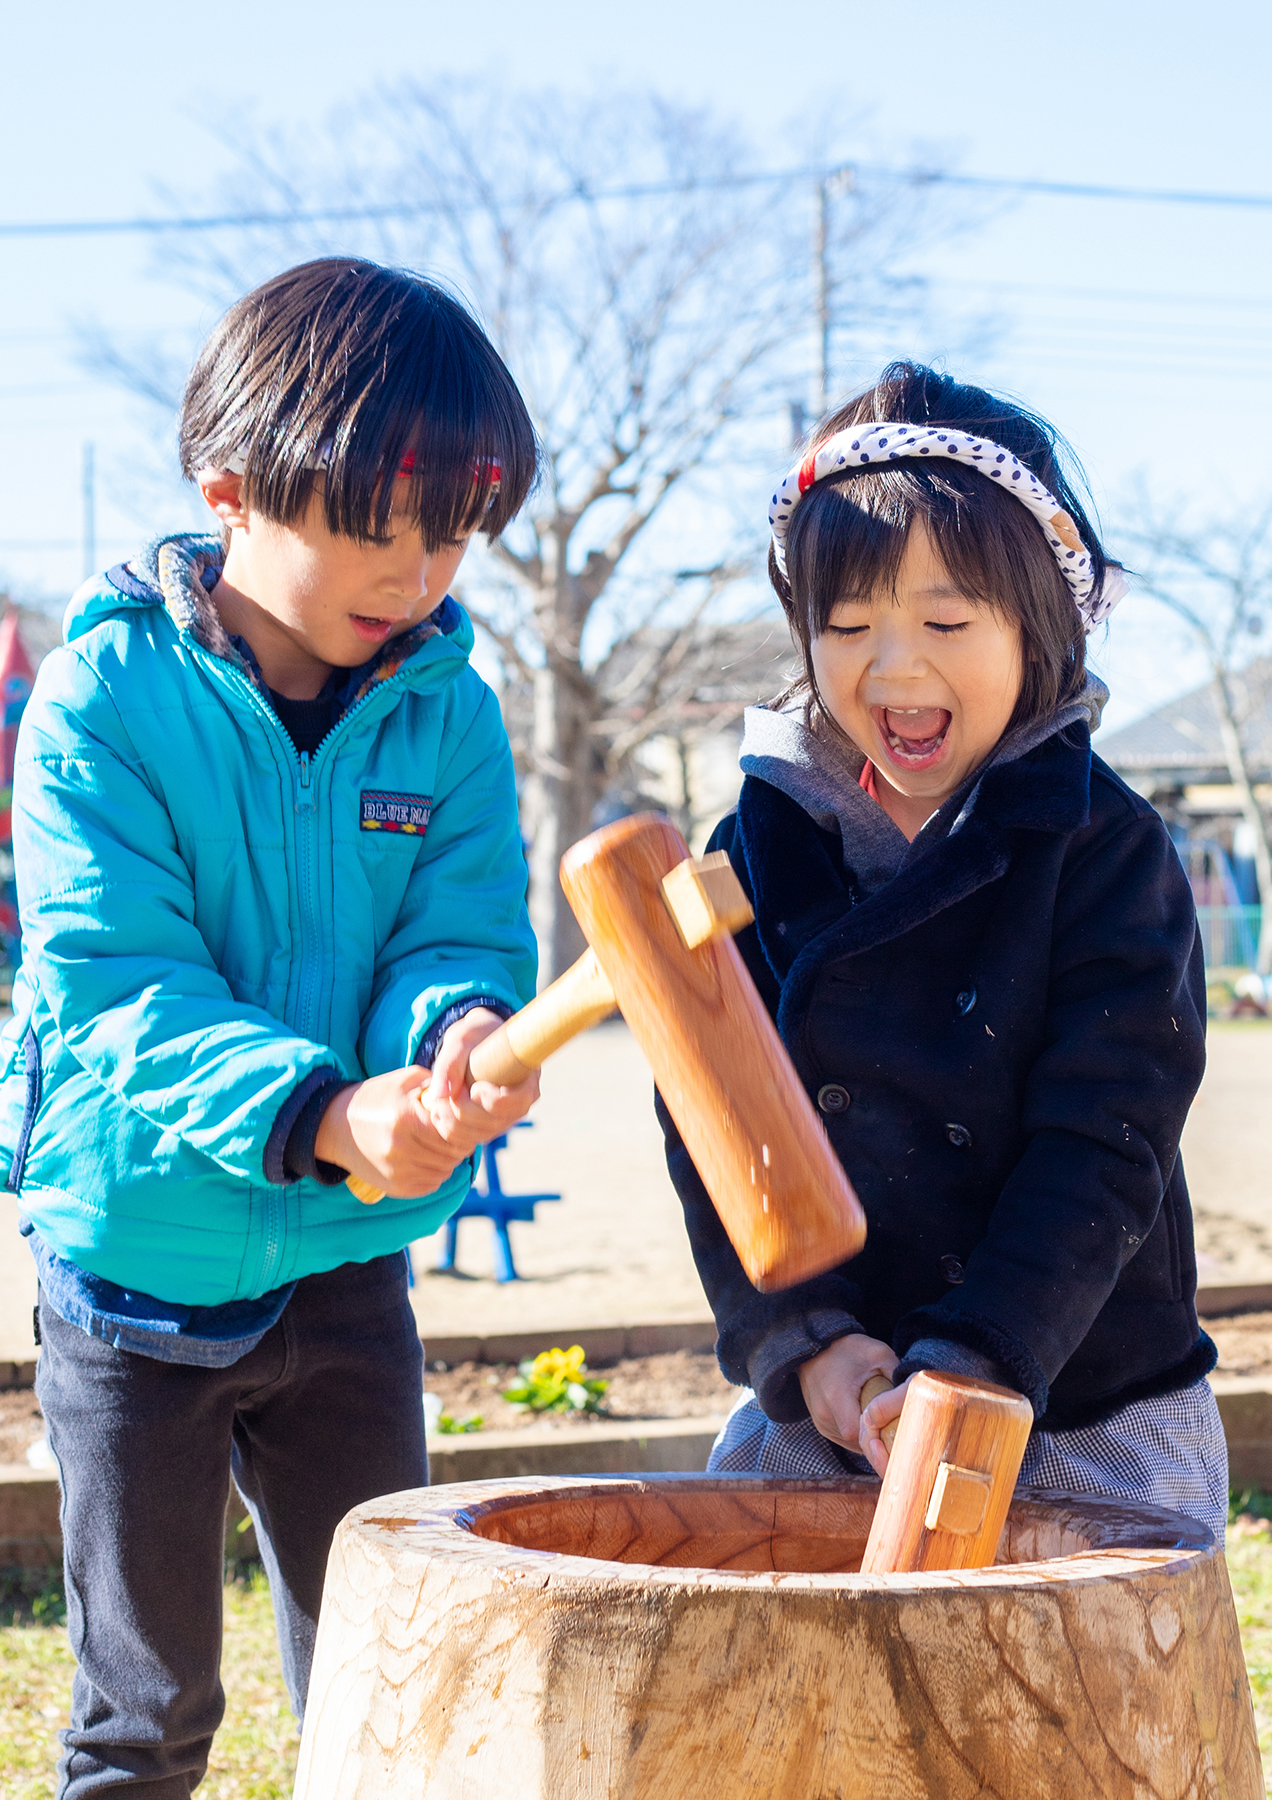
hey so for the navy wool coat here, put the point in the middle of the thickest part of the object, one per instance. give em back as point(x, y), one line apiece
point(1003, 1042)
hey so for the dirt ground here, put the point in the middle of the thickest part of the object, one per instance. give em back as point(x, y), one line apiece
point(613, 1249)
point(683, 1384)
point(21, 1424)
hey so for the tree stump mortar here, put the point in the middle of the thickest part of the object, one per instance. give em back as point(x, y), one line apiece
point(707, 1638)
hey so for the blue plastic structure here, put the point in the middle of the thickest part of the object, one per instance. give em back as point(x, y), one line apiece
point(488, 1201)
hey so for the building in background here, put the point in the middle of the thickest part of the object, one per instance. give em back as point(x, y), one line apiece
point(1175, 758)
point(670, 717)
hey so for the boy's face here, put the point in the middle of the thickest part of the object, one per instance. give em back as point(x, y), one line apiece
point(316, 598)
point(923, 681)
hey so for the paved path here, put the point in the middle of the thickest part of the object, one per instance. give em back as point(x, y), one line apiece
point(1227, 1150)
point(613, 1250)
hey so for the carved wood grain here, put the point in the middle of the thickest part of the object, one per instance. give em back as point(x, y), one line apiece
point(454, 1664)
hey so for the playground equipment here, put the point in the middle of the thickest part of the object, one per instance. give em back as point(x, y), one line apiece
point(489, 1201)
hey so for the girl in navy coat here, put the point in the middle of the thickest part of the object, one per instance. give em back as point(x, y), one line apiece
point(981, 951)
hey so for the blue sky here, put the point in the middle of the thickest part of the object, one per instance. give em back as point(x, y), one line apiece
point(1145, 331)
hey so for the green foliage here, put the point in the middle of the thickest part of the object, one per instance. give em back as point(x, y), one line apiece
point(1249, 1557)
point(449, 1426)
point(556, 1381)
point(1248, 1504)
point(254, 1755)
point(32, 1597)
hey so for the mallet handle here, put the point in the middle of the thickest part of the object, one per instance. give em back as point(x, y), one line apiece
point(577, 1000)
point(580, 998)
point(879, 1384)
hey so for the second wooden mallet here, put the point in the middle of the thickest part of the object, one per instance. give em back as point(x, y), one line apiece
point(659, 926)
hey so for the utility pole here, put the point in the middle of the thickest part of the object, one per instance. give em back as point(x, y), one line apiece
point(88, 512)
point(829, 187)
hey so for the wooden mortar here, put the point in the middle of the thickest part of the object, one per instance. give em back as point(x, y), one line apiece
point(709, 1638)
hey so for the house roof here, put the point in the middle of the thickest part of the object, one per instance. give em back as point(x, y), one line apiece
point(1180, 742)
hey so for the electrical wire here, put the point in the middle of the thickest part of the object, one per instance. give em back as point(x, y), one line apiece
point(1070, 190)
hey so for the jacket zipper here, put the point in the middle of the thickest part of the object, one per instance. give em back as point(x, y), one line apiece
point(274, 1232)
point(310, 924)
point(306, 1008)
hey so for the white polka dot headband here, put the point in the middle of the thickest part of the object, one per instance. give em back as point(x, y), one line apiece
point(864, 444)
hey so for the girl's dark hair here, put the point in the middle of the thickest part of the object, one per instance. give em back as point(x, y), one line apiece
point(848, 534)
point(368, 364)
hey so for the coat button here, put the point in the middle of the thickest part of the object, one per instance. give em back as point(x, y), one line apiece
point(952, 1270)
point(959, 1136)
point(833, 1099)
point(966, 1000)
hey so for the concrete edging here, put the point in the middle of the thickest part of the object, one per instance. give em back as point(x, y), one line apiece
point(1234, 1297)
point(30, 1530)
point(1245, 1406)
point(30, 1533)
point(604, 1343)
point(30, 1527)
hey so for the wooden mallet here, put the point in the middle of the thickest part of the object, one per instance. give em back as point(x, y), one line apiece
point(953, 1459)
point(659, 925)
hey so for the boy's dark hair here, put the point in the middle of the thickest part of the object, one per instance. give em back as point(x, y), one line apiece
point(848, 534)
point(365, 366)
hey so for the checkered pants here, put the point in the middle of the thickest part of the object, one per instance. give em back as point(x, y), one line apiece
point(1166, 1451)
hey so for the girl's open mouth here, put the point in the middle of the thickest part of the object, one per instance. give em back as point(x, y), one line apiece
point(914, 737)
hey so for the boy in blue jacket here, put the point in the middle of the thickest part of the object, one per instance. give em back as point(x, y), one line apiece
point(270, 876)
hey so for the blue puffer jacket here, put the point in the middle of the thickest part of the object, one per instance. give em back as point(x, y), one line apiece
point(209, 919)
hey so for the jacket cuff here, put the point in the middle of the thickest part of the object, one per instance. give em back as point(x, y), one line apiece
point(430, 1043)
point(1020, 1369)
point(950, 1359)
point(774, 1364)
point(289, 1152)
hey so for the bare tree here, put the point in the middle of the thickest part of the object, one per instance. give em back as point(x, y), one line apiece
point(1217, 578)
point(651, 293)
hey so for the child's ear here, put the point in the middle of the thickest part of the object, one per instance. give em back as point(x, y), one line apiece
point(223, 492)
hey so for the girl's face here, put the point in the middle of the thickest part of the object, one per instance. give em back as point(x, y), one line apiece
point(923, 682)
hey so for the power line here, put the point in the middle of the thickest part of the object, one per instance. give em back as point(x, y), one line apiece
point(1071, 190)
point(1130, 296)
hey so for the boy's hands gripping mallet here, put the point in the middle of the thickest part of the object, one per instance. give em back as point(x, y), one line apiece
point(660, 926)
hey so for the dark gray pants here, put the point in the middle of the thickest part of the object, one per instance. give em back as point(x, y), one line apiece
point(324, 1413)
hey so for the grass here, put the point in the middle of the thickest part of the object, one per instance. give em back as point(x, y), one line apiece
point(1250, 1566)
point(254, 1755)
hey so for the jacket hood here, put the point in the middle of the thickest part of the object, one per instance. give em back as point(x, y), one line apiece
point(793, 750)
point(178, 573)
